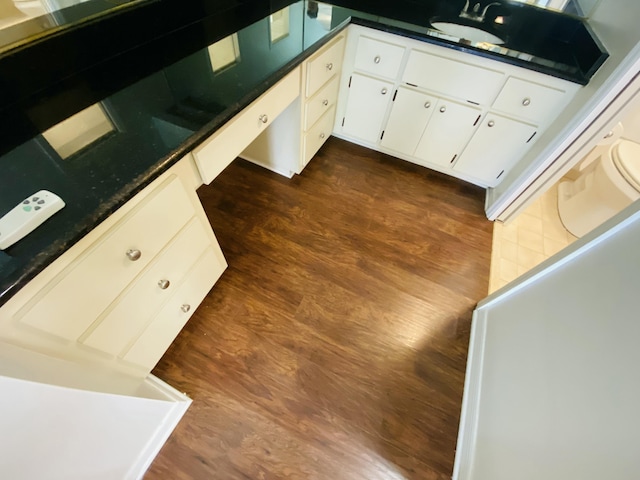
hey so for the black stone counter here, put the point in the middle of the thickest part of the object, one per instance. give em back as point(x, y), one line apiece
point(164, 98)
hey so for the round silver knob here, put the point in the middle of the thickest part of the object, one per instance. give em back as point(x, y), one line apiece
point(322, 135)
point(329, 66)
point(526, 101)
point(376, 59)
point(384, 91)
point(325, 102)
point(491, 123)
point(427, 104)
point(263, 118)
point(164, 284)
point(134, 254)
point(185, 308)
point(443, 109)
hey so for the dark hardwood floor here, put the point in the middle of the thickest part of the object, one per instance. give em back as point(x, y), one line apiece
point(334, 346)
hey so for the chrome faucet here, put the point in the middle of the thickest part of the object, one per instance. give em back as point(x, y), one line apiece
point(475, 13)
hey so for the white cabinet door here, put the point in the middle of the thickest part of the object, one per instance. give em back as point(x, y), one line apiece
point(409, 116)
point(449, 130)
point(498, 143)
point(366, 106)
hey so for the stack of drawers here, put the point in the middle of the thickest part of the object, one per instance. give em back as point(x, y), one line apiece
point(129, 292)
point(320, 94)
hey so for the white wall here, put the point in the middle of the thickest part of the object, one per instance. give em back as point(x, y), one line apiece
point(51, 432)
point(552, 383)
point(615, 23)
point(62, 420)
point(631, 124)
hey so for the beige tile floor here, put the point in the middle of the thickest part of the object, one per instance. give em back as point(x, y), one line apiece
point(532, 237)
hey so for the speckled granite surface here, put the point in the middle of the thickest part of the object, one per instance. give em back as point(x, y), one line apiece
point(164, 115)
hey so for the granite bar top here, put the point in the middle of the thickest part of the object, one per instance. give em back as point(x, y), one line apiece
point(162, 109)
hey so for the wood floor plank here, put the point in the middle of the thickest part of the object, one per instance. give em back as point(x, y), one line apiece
point(334, 346)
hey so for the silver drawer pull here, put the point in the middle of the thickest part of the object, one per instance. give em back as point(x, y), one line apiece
point(134, 254)
point(329, 66)
point(325, 102)
point(263, 118)
point(383, 91)
point(376, 59)
point(185, 308)
point(443, 109)
point(526, 101)
point(491, 123)
point(322, 135)
point(427, 104)
point(164, 284)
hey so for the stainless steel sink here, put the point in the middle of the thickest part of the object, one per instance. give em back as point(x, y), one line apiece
point(465, 32)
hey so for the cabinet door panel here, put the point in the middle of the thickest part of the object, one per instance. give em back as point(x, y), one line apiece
point(498, 143)
point(410, 114)
point(366, 106)
point(450, 128)
point(452, 78)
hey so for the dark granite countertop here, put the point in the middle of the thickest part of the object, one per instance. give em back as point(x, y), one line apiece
point(160, 115)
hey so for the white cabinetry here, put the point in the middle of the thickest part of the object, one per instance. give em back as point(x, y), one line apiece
point(366, 107)
point(321, 75)
point(227, 143)
point(461, 114)
point(494, 146)
point(409, 116)
point(121, 295)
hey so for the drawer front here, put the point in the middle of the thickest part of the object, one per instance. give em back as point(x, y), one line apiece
point(324, 66)
point(164, 328)
point(381, 59)
point(132, 312)
point(318, 134)
point(531, 101)
point(86, 288)
point(321, 103)
point(216, 153)
point(452, 78)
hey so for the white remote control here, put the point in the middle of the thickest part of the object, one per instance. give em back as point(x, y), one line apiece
point(27, 216)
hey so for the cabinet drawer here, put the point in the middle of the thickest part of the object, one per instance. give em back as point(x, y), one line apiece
point(320, 103)
point(324, 66)
point(132, 312)
point(529, 100)
point(156, 338)
point(381, 59)
point(82, 291)
point(452, 78)
point(219, 150)
point(318, 134)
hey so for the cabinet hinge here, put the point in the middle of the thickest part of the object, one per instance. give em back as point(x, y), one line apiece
point(531, 137)
point(472, 102)
point(343, 121)
point(394, 96)
point(382, 135)
point(500, 174)
point(477, 120)
point(411, 84)
point(349, 82)
point(454, 157)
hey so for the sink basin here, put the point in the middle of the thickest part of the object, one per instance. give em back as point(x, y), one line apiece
point(465, 32)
